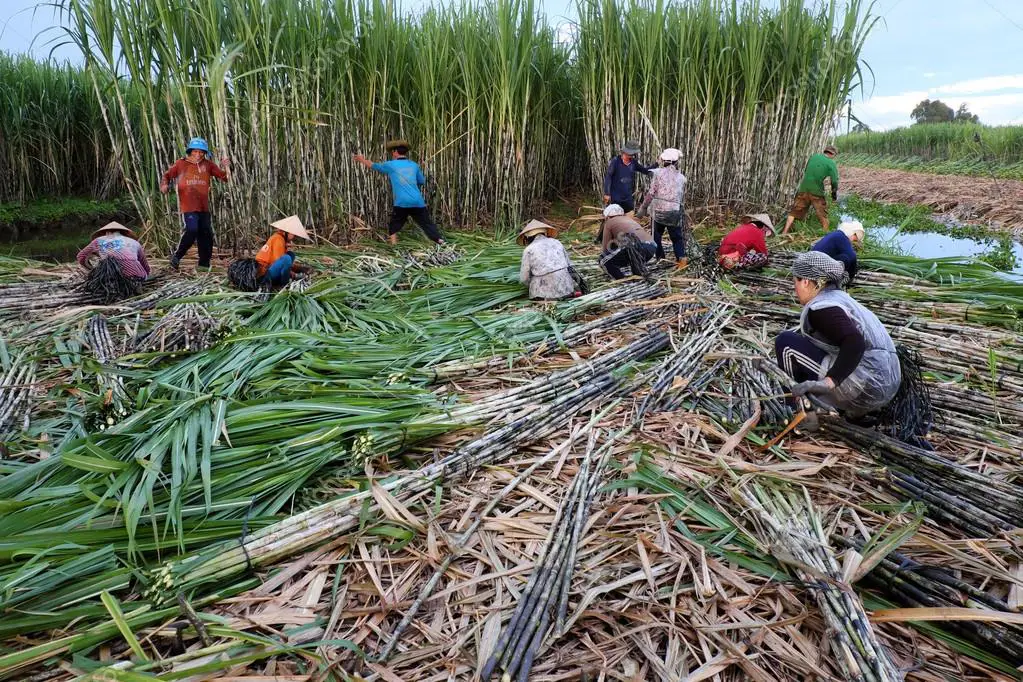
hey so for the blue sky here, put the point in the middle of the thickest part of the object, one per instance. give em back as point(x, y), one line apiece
point(955, 50)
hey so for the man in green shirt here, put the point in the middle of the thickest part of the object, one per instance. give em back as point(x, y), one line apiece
point(811, 190)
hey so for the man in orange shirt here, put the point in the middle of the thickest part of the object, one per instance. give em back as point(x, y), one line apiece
point(276, 263)
point(192, 175)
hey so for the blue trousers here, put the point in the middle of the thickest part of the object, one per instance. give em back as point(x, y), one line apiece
point(800, 357)
point(198, 228)
point(279, 272)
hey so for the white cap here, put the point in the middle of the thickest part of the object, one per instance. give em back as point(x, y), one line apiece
point(671, 154)
point(612, 210)
point(853, 229)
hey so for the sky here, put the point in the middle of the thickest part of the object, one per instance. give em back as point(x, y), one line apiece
point(958, 51)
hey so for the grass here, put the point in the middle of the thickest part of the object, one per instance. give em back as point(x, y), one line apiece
point(943, 148)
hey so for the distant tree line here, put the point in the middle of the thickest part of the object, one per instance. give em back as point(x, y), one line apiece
point(936, 111)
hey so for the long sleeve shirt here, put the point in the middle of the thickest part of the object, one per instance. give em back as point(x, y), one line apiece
point(818, 168)
point(620, 179)
point(837, 245)
point(406, 178)
point(619, 225)
point(275, 247)
point(746, 237)
point(666, 191)
point(839, 330)
point(544, 269)
point(193, 183)
point(128, 253)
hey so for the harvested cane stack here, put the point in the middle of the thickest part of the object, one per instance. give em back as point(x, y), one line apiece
point(97, 336)
point(443, 254)
point(107, 284)
point(562, 395)
point(15, 397)
point(978, 504)
point(792, 532)
point(187, 327)
point(912, 584)
point(112, 401)
point(543, 604)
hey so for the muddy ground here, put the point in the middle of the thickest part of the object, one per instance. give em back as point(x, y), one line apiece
point(988, 201)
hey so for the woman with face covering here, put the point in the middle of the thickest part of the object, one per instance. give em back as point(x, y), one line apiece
point(841, 352)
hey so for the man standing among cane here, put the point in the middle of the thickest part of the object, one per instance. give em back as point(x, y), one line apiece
point(192, 179)
point(811, 190)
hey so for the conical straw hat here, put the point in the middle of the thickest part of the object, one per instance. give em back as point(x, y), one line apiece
point(117, 227)
point(536, 226)
point(291, 225)
point(761, 218)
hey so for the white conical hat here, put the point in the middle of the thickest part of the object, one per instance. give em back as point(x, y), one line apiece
point(292, 225)
point(536, 226)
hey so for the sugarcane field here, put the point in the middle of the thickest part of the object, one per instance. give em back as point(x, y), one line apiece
point(362, 342)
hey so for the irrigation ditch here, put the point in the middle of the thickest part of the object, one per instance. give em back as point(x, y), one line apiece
point(404, 469)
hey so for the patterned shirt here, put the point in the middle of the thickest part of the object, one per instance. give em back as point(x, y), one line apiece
point(128, 253)
point(666, 190)
point(544, 268)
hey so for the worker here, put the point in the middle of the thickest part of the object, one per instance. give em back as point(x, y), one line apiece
point(667, 206)
point(811, 190)
point(275, 261)
point(620, 178)
point(841, 353)
point(546, 268)
point(407, 179)
point(745, 247)
point(117, 242)
point(625, 242)
point(841, 245)
point(191, 176)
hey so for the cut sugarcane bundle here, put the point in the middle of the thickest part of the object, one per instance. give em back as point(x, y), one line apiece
point(913, 584)
point(543, 603)
point(97, 336)
point(788, 525)
point(15, 397)
point(187, 327)
point(978, 503)
point(575, 389)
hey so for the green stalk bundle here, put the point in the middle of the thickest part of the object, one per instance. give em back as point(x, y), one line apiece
point(746, 91)
point(290, 89)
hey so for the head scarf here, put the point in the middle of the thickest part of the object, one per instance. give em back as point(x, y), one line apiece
point(819, 267)
point(612, 210)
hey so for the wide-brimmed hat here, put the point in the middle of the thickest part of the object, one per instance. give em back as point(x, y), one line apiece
point(853, 229)
point(612, 210)
point(631, 148)
point(291, 225)
point(761, 218)
point(394, 144)
point(534, 227)
point(831, 149)
point(114, 227)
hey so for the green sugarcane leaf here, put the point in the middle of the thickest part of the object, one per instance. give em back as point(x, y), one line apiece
point(122, 624)
point(96, 465)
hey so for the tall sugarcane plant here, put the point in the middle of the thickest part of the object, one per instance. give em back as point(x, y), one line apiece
point(744, 90)
point(290, 89)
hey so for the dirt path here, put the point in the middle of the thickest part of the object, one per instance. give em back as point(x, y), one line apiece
point(998, 203)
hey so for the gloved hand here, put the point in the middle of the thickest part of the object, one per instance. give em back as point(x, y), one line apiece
point(815, 387)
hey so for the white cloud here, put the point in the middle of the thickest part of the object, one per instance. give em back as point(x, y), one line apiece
point(981, 85)
point(982, 96)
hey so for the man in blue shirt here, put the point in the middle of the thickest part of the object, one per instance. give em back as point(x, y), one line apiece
point(620, 178)
point(406, 179)
point(841, 245)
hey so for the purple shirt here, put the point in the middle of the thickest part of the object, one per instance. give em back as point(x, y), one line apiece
point(128, 253)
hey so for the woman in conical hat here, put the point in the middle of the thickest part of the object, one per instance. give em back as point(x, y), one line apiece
point(276, 262)
point(545, 263)
point(116, 241)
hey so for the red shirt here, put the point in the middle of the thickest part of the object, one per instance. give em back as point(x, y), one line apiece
point(746, 237)
point(194, 183)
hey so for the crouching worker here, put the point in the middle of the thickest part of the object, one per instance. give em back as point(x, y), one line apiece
point(116, 262)
point(626, 243)
point(275, 261)
point(841, 245)
point(745, 247)
point(841, 353)
point(546, 268)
